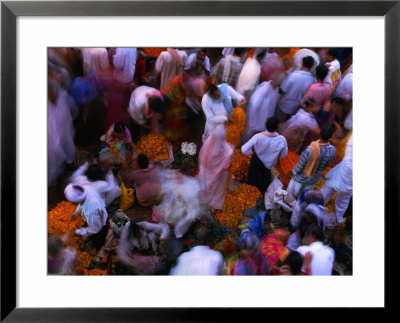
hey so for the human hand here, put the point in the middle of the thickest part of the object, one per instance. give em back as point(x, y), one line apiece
point(242, 101)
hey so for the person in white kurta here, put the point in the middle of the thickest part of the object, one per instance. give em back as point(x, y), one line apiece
point(170, 63)
point(322, 256)
point(340, 180)
point(249, 77)
point(262, 105)
point(98, 195)
point(124, 62)
point(217, 105)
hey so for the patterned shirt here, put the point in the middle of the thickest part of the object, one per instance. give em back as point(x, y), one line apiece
point(327, 154)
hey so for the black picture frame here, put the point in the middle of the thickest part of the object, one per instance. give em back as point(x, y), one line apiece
point(10, 10)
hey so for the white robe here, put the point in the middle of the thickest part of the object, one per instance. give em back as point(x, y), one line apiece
point(249, 76)
point(168, 66)
point(216, 112)
point(124, 62)
point(262, 105)
point(94, 58)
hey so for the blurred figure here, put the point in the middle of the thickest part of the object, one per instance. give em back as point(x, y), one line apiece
point(268, 146)
point(94, 59)
point(340, 180)
point(93, 195)
point(252, 260)
point(298, 60)
point(145, 180)
point(295, 129)
point(217, 106)
point(334, 75)
point(146, 106)
point(260, 225)
point(198, 64)
point(60, 260)
point(320, 91)
point(313, 160)
point(294, 264)
point(124, 61)
point(169, 64)
point(62, 110)
point(272, 67)
point(261, 107)
point(117, 133)
point(322, 256)
point(214, 161)
point(228, 69)
point(250, 75)
point(200, 260)
point(273, 246)
point(293, 89)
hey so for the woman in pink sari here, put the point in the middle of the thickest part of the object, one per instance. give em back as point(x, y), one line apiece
point(214, 161)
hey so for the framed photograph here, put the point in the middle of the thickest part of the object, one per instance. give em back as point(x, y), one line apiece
point(29, 29)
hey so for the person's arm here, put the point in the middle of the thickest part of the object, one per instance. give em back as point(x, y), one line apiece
point(307, 263)
point(80, 171)
point(205, 103)
point(159, 63)
point(304, 157)
point(190, 63)
point(284, 150)
point(286, 85)
point(235, 95)
point(247, 148)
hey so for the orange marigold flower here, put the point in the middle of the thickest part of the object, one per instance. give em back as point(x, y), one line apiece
point(155, 146)
point(240, 165)
point(153, 51)
point(95, 272)
point(83, 261)
point(59, 219)
point(235, 128)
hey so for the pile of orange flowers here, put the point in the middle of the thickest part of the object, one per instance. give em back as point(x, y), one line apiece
point(240, 165)
point(245, 197)
point(59, 219)
point(235, 128)
point(285, 165)
point(153, 51)
point(94, 272)
point(83, 262)
point(155, 146)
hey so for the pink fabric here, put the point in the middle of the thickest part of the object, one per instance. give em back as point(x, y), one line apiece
point(214, 161)
point(147, 183)
point(320, 92)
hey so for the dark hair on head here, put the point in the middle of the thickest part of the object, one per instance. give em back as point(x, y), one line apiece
point(262, 54)
point(94, 173)
point(326, 132)
point(295, 262)
point(308, 62)
point(309, 101)
point(338, 100)
point(119, 127)
point(155, 103)
point(143, 161)
point(321, 71)
point(315, 231)
point(238, 51)
point(272, 123)
point(201, 50)
point(310, 217)
point(134, 229)
point(212, 88)
point(333, 52)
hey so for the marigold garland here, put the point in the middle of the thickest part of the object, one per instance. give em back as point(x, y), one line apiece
point(153, 51)
point(95, 272)
point(236, 202)
point(235, 128)
point(155, 146)
point(250, 52)
point(330, 206)
point(240, 165)
point(59, 219)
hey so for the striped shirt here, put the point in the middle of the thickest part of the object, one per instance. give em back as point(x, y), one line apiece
point(327, 154)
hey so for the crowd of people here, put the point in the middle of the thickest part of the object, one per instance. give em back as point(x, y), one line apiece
point(112, 112)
